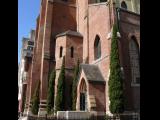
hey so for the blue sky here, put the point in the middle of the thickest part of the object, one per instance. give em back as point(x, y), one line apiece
point(28, 11)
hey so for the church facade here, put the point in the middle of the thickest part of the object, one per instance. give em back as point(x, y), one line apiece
point(82, 29)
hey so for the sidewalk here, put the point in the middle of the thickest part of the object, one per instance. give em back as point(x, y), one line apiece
point(22, 118)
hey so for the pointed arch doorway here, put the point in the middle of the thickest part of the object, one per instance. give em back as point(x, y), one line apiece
point(83, 96)
point(90, 89)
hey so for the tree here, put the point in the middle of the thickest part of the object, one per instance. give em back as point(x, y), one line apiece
point(50, 95)
point(23, 102)
point(35, 100)
point(74, 86)
point(115, 80)
point(60, 88)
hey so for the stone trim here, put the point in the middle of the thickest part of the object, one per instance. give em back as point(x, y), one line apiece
point(43, 100)
point(41, 28)
point(96, 4)
point(70, 33)
point(42, 112)
point(124, 10)
point(109, 36)
point(92, 102)
point(100, 59)
point(43, 103)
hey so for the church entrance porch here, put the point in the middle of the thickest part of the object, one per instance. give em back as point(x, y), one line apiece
point(90, 89)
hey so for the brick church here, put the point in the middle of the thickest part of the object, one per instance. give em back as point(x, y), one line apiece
point(82, 29)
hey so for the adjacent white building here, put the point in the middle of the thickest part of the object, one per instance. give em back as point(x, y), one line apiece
point(27, 49)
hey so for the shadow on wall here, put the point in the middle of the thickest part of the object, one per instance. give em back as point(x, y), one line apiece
point(63, 19)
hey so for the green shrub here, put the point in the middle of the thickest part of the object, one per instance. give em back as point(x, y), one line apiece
point(115, 78)
point(35, 100)
point(74, 86)
point(60, 99)
point(50, 95)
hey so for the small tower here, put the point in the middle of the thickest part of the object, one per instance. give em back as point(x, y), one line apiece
point(68, 44)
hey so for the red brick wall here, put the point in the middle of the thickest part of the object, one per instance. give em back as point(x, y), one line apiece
point(129, 26)
point(64, 18)
point(45, 58)
point(67, 42)
point(36, 67)
point(29, 93)
point(82, 24)
point(99, 24)
point(60, 17)
point(77, 44)
point(98, 90)
point(38, 51)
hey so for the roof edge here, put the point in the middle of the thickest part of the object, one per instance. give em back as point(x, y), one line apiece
point(69, 33)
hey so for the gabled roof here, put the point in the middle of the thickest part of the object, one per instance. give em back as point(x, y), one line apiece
point(92, 72)
point(69, 32)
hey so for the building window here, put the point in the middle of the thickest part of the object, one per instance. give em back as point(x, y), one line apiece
point(30, 48)
point(30, 43)
point(97, 48)
point(72, 52)
point(61, 51)
point(123, 5)
point(134, 60)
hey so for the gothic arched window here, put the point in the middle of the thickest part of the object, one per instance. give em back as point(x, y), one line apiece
point(123, 5)
point(134, 60)
point(61, 51)
point(72, 52)
point(97, 48)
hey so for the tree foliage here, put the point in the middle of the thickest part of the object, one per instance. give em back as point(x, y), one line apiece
point(74, 86)
point(35, 100)
point(115, 80)
point(50, 95)
point(60, 89)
